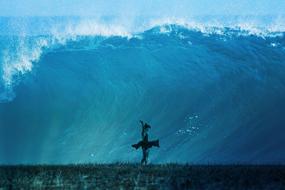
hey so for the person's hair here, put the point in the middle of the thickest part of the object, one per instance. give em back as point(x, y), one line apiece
point(146, 125)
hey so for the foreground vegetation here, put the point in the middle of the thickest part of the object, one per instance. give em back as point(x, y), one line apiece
point(133, 176)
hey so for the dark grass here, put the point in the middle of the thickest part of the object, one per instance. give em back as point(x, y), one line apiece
point(135, 176)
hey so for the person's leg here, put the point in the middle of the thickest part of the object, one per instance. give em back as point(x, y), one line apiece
point(144, 157)
point(142, 161)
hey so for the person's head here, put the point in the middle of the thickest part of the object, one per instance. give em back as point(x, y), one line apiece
point(147, 126)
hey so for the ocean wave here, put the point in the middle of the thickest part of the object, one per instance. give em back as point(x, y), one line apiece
point(92, 27)
point(19, 56)
point(201, 89)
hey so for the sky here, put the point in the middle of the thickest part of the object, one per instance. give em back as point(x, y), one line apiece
point(181, 8)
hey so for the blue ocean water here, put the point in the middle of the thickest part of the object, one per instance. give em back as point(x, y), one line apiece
point(212, 94)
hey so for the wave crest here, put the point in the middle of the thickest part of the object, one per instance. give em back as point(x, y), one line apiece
point(24, 49)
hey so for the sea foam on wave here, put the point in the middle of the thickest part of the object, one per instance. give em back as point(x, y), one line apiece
point(237, 28)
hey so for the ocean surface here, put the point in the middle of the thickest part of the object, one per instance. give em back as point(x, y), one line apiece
point(73, 91)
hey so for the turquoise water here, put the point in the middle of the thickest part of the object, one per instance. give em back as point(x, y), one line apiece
point(215, 95)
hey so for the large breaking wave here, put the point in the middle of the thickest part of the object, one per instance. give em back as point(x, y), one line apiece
point(73, 91)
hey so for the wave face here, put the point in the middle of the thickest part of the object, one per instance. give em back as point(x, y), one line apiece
point(215, 96)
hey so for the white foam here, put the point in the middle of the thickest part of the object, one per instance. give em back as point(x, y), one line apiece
point(18, 63)
point(245, 28)
point(89, 27)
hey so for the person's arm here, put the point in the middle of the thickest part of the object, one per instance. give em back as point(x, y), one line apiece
point(142, 122)
point(143, 129)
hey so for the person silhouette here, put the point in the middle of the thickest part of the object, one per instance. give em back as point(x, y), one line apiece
point(145, 144)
